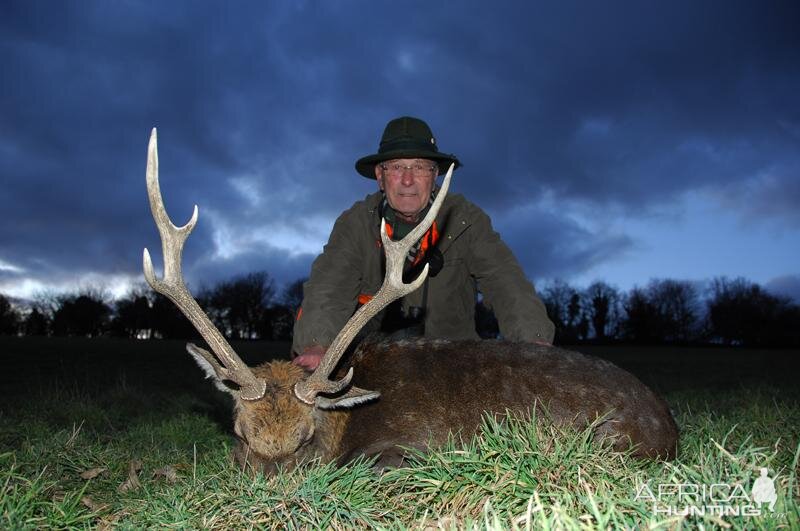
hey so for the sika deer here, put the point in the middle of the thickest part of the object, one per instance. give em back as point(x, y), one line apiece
point(424, 389)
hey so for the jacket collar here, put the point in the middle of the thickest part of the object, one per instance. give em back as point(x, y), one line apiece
point(452, 218)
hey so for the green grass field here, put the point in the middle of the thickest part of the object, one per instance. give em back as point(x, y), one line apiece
point(111, 433)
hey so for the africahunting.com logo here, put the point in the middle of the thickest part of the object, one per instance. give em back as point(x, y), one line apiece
point(716, 499)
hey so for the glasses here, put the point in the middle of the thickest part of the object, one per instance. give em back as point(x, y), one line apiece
point(418, 169)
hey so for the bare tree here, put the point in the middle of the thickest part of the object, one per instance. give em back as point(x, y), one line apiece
point(640, 324)
point(676, 305)
point(556, 298)
point(39, 321)
point(603, 309)
point(36, 323)
point(278, 321)
point(665, 311)
point(241, 304)
point(47, 302)
point(741, 312)
point(86, 314)
point(564, 307)
point(133, 314)
point(168, 321)
point(292, 295)
point(10, 317)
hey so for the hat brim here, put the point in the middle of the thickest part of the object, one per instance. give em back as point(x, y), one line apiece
point(366, 165)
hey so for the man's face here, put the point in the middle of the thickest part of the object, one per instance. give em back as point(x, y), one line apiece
point(407, 184)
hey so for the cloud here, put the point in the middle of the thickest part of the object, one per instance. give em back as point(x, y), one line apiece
point(772, 195)
point(262, 110)
point(787, 286)
point(550, 244)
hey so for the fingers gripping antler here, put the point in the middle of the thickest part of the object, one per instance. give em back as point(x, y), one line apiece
point(173, 287)
point(392, 289)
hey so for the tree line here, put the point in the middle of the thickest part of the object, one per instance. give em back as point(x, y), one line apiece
point(728, 312)
point(244, 307)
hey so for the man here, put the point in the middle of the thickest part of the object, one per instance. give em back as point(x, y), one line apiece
point(464, 254)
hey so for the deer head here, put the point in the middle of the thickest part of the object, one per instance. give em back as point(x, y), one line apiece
point(277, 405)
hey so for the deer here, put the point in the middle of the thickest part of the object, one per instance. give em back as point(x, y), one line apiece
point(425, 390)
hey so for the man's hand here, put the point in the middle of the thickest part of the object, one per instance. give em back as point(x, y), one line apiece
point(310, 357)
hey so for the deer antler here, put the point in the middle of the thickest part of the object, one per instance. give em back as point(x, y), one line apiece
point(173, 287)
point(392, 289)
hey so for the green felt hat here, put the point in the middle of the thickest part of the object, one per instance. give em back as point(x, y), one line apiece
point(406, 138)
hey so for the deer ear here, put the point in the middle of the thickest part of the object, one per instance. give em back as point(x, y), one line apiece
point(215, 373)
point(353, 397)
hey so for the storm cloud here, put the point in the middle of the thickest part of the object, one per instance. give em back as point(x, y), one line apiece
point(570, 119)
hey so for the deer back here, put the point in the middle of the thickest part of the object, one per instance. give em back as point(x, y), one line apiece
point(430, 388)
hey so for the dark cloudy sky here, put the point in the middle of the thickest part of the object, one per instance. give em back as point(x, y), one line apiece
point(621, 141)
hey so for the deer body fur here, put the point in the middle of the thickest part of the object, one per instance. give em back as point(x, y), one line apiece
point(432, 388)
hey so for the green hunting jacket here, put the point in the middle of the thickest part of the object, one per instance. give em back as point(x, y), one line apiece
point(475, 258)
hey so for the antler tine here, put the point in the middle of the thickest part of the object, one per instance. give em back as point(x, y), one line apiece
point(173, 287)
point(392, 289)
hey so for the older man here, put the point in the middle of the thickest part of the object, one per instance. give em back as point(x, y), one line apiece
point(464, 254)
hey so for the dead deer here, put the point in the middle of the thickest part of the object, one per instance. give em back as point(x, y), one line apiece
point(424, 389)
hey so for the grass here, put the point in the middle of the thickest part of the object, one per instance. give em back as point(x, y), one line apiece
point(66, 451)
